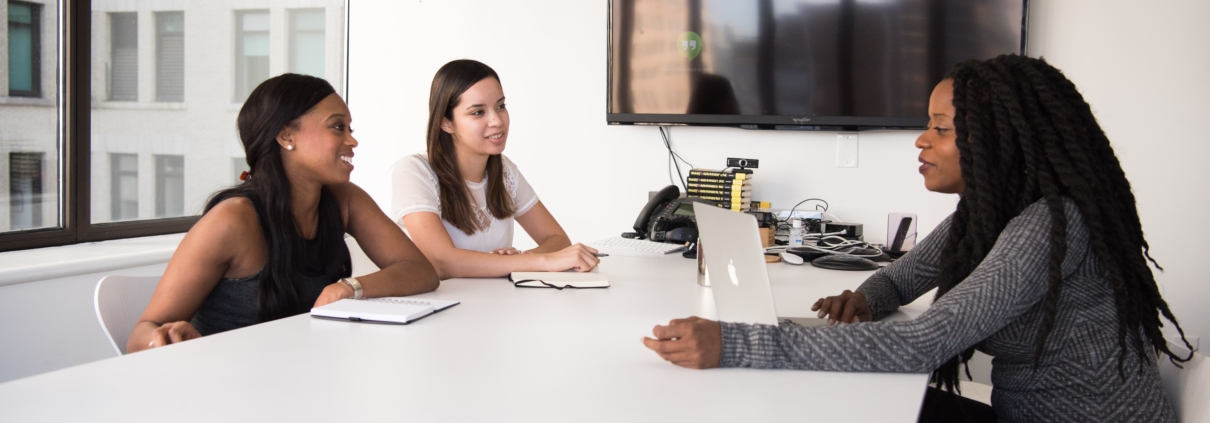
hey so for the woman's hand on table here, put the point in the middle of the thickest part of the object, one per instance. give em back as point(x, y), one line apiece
point(333, 293)
point(695, 342)
point(172, 333)
point(578, 257)
point(848, 307)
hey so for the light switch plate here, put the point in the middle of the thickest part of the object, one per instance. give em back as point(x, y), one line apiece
point(846, 149)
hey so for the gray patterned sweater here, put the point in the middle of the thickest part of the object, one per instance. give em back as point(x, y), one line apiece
point(998, 310)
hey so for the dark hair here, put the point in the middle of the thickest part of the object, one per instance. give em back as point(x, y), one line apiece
point(1026, 134)
point(274, 105)
point(449, 83)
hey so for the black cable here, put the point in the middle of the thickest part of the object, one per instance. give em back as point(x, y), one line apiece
point(670, 180)
point(673, 157)
point(668, 137)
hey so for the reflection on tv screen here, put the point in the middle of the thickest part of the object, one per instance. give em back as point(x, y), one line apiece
point(797, 58)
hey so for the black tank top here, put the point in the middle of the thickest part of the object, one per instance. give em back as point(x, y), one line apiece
point(233, 303)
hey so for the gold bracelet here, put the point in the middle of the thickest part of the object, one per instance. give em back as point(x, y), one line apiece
point(353, 283)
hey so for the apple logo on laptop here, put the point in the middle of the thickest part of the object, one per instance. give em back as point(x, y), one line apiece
point(731, 271)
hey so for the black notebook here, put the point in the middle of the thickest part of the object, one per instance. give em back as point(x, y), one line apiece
point(392, 310)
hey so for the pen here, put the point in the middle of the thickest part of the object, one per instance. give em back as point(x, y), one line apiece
point(600, 254)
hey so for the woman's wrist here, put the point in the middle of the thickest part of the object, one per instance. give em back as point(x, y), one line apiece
point(346, 290)
point(543, 260)
point(357, 288)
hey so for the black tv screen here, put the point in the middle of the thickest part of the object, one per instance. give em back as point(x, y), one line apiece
point(796, 64)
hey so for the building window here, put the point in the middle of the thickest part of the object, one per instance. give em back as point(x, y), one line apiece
point(170, 56)
point(124, 57)
point(24, 49)
point(169, 186)
point(124, 183)
point(252, 51)
point(307, 42)
point(25, 190)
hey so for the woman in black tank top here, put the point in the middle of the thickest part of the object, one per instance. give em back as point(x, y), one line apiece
point(273, 246)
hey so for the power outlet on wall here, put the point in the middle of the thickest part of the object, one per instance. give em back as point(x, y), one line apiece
point(846, 149)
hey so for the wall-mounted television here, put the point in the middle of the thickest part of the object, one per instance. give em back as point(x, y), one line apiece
point(796, 64)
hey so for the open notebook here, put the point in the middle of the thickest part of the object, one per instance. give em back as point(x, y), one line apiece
point(392, 310)
point(560, 280)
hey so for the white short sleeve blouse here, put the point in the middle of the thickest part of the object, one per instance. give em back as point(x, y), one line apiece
point(414, 190)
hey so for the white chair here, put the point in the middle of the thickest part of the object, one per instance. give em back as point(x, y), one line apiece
point(119, 301)
point(1189, 387)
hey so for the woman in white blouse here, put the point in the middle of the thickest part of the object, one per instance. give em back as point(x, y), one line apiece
point(458, 202)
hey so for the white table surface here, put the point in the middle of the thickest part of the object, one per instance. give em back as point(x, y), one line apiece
point(504, 354)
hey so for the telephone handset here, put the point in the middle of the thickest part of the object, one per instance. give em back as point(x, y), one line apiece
point(668, 218)
point(643, 222)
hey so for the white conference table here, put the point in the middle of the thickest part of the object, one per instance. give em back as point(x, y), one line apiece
point(504, 354)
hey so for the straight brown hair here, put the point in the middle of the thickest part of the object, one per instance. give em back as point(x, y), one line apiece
point(449, 83)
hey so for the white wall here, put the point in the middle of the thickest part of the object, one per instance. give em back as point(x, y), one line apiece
point(594, 177)
point(1142, 68)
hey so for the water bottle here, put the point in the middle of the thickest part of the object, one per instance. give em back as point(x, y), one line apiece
point(796, 233)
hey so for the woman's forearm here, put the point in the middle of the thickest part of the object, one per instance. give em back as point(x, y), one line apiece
point(551, 244)
point(459, 263)
point(407, 277)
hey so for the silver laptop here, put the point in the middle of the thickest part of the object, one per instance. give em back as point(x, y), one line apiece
point(736, 265)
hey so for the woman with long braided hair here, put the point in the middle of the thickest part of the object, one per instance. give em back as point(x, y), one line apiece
point(1043, 265)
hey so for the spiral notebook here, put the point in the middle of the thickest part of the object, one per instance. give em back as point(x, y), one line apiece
point(390, 310)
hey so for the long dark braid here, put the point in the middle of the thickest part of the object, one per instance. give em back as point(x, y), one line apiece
point(1024, 133)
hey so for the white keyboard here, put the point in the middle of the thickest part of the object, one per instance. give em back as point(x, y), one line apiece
point(637, 245)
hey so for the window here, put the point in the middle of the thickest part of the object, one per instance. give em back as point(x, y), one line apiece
point(25, 190)
point(124, 186)
point(307, 42)
point(30, 137)
point(170, 56)
point(169, 186)
point(124, 57)
point(252, 55)
point(108, 159)
point(24, 48)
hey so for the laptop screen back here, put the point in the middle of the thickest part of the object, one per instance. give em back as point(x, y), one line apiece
point(736, 265)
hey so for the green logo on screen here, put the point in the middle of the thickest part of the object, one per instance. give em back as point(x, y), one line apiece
point(689, 44)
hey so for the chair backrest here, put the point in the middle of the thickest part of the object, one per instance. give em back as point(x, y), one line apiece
point(1189, 387)
point(119, 301)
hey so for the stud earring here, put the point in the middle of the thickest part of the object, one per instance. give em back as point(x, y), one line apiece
point(290, 147)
